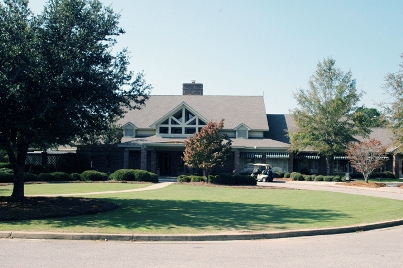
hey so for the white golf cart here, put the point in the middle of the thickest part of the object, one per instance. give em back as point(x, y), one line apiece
point(262, 172)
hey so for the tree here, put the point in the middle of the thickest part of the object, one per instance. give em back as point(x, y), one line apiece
point(366, 156)
point(369, 117)
point(59, 79)
point(207, 148)
point(394, 109)
point(325, 113)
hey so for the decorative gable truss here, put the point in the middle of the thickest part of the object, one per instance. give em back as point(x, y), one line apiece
point(181, 121)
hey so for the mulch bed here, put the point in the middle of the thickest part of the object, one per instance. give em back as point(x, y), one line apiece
point(363, 184)
point(30, 208)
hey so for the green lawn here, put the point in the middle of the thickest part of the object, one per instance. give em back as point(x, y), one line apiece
point(187, 209)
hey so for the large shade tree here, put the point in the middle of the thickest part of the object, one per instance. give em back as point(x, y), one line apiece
point(208, 148)
point(324, 115)
point(394, 108)
point(59, 77)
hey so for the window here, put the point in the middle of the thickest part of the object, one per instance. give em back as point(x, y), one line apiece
point(242, 133)
point(182, 122)
point(129, 132)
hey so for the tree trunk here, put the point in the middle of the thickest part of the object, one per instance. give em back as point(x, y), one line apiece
point(18, 190)
point(206, 173)
point(18, 163)
point(366, 177)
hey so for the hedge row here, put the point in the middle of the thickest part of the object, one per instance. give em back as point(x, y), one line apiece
point(296, 176)
point(223, 179)
point(133, 175)
point(89, 175)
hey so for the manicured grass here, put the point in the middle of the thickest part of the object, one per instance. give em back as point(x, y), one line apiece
point(70, 188)
point(190, 209)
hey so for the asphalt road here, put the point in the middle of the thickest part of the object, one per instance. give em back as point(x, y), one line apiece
point(378, 248)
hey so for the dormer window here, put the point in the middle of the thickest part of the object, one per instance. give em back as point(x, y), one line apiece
point(242, 131)
point(182, 122)
point(129, 130)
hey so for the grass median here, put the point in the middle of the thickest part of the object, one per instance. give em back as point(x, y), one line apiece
point(189, 209)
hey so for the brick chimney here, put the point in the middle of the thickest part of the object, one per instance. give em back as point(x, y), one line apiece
point(192, 88)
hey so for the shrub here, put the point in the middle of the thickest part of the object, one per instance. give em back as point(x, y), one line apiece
point(319, 178)
point(143, 175)
point(337, 178)
point(75, 177)
point(307, 177)
point(328, 178)
point(296, 176)
point(37, 169)
point(30, 177)
point(184, 178)
point(123, 175)
point(5, 165)
point(60, 176)
point(195, 178)
point(278, 174)
point(6, 177)
point(93, 175)
point(388, 174)
point(45, 177)
point(6, 170)
point(287, 175)
point(246, 180)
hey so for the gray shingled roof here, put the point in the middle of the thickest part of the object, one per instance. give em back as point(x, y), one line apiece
point(249, 110)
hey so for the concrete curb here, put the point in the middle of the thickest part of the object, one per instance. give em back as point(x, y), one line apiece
point(198, 237)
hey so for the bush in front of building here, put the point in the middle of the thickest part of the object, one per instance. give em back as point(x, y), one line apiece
point(45, 177)
point(5, 165)
point(183, 178)
point(319, 178)
point(222, 179)
point(278, 174)
point(143, 175)
point(307, 177)
point(296, 176)
point(195, 178)
point(287, 175)
point(337, 178)
point(75, 177)
point(93, 175)
point(123, 175)
point(226, 179)
point(60, 176)
point(6, 177)
point(134, 175)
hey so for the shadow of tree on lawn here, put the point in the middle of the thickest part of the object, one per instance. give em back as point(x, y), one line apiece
point(154, 214)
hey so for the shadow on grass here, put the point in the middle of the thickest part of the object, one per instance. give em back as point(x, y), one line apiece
point(148, 215)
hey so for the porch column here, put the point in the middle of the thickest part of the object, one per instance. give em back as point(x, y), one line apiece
point(143, 165)
point(126, 159)
point(154, 161)
point(237, 162)
point(291, 162)
point(396, 165)
point(44, 158)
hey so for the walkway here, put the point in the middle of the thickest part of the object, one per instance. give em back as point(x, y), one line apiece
point(151, 187)
point(383, 192)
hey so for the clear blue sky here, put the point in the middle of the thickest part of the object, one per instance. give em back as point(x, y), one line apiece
point(265, 47)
